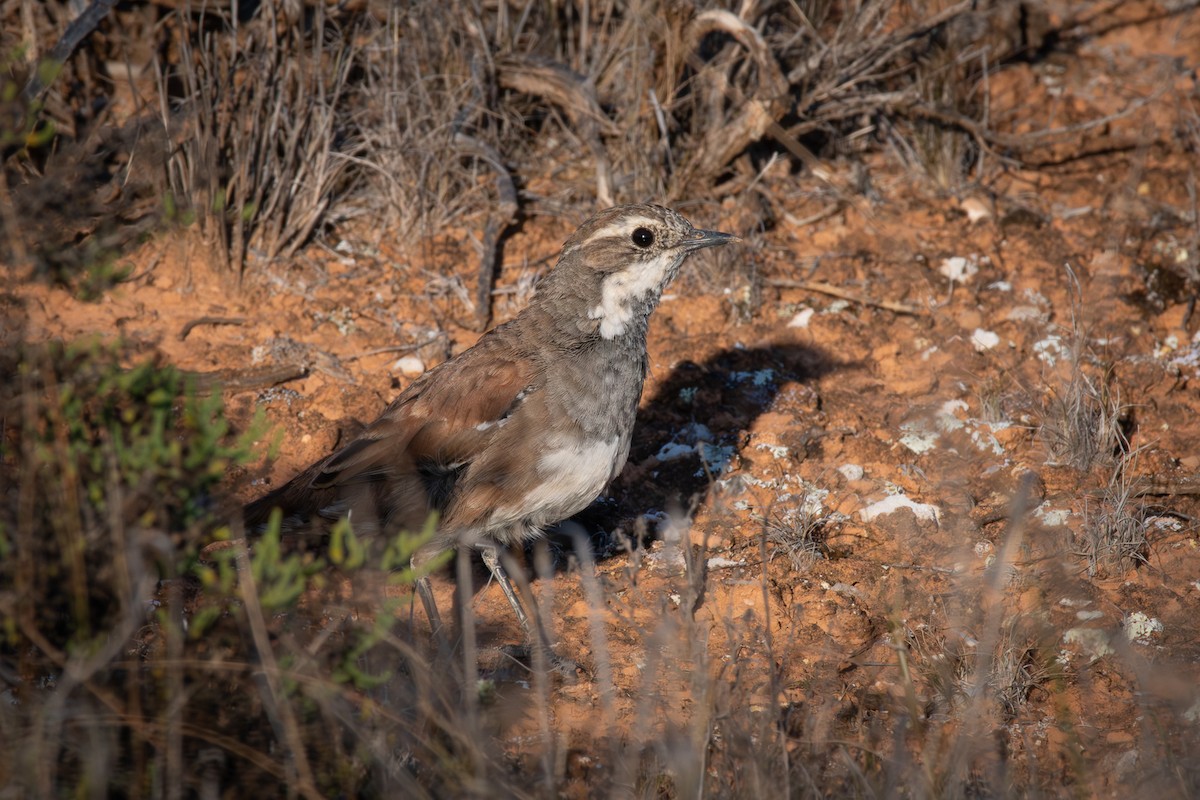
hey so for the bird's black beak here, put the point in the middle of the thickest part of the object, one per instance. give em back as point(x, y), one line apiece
point(699, 239)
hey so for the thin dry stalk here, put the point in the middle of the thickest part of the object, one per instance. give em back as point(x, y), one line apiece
point(278, 704)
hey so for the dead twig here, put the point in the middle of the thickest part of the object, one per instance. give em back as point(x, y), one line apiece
point(398, 348)
point(833, 291)
point(241, 380)
point(187, 328)
point(1021, 141)
point(498, 222)
point(577, 97)
point(75, 33)
point(1155, 487)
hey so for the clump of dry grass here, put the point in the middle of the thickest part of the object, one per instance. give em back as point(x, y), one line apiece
point(1115, 525)
point(420, 87)
point(266, 149)
point(796, 533)
point(1083, 415)
point(1082, 424)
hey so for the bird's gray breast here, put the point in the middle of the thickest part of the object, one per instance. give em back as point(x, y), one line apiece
point(601, 390)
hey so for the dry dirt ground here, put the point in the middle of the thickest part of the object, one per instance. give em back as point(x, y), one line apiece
point(886, 510)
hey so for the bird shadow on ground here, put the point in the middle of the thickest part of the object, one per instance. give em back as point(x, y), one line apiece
point(693, 423)
point(687, 430)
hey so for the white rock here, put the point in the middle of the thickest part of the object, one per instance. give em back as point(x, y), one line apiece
point(1051, 349)
point(976, 209)
point(802, 318)
point(1026, 314)
point(951, 406)
point(847, 590)
point(984, 340)
point(673, 451)
point(695, 432)
point(1139, 627)
point(409, 366)
point(895, 502)
point(776, 450)
point(918, 437)
point(959, 268)
point(1092, 641)
point(1052, 517)
point(851, 472)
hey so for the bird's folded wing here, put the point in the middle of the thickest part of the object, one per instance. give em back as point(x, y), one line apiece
point(443, 421)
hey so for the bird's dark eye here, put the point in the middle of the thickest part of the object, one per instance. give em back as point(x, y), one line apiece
point(643, 238)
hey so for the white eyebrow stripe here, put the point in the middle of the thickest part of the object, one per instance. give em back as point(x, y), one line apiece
point(624, 228)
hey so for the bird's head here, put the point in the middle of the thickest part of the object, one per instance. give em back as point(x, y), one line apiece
point(620, 260)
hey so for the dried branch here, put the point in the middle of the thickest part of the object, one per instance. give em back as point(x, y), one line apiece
point(834, 291)
point(241, 380)
point(76, 32)
point(189, 326)
point(576, 95)
point(754, 116)
point(498, 222)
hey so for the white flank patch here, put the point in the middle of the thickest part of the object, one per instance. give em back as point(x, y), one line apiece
point(896, 502)
point(571, 476)
point(620, 290)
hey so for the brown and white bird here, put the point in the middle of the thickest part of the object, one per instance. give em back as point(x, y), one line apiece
point(525, 428)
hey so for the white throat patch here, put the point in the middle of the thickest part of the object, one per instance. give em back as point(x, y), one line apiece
point(620, 290)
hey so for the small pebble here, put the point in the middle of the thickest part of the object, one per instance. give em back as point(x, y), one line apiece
point(409, 366)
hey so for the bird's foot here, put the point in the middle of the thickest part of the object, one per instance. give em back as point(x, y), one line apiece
point(534, 657)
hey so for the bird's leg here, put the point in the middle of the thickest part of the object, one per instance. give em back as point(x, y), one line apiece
point(431, 611)
point(535, 633)
point(425, 592)
point(492, 559)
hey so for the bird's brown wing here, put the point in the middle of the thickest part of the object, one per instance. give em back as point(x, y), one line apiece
point(403, 465)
